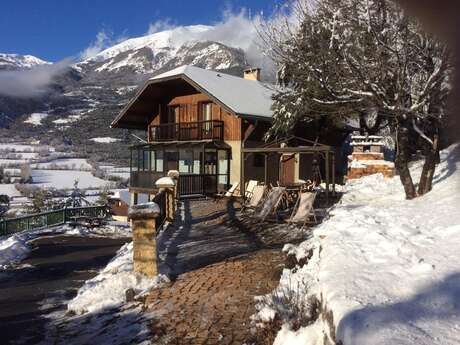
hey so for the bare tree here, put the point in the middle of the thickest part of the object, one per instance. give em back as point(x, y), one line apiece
point(364, 59)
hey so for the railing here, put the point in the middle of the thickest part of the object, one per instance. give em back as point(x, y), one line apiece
point(50, 218)
point(197, 185)
point(202, 130)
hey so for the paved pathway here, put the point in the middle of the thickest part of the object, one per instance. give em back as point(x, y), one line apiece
point(213, 305)
point(50, 276)
point(220, 267)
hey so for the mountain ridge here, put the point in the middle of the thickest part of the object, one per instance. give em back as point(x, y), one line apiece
point(83, 100)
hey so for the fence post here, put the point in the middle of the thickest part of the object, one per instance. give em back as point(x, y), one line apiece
point(144, 238)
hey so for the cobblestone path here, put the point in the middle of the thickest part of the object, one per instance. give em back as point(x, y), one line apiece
point(213, 304)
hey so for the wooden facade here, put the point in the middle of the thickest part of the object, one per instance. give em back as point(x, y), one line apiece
point(190, 110)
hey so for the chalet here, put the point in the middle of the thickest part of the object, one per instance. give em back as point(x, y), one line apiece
point(200, 122)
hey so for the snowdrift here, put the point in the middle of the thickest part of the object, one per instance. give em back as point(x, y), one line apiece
point(385, 270)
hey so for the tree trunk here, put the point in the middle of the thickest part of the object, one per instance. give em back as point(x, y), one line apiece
point(402, 161)
point(429, 167)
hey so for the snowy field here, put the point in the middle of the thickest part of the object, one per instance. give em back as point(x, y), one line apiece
point(386, 268)
point(111, 170)
point(67, 163)
point(64, 179)
point(10, 190)
point(105, 140)
point(24, 147)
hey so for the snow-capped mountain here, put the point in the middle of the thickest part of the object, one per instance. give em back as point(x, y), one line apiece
point(84, 99)
point(16, 61)
point(164, 50)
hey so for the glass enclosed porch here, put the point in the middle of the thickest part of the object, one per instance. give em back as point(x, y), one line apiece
point(204, 168)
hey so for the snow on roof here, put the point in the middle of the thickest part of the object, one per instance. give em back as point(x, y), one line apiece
point(242, 96)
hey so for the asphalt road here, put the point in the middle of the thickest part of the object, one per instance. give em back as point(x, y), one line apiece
point(51, 275)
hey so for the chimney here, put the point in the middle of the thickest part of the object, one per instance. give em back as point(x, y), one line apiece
point(252, 74)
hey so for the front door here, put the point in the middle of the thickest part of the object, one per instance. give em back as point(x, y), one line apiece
point(288, 169)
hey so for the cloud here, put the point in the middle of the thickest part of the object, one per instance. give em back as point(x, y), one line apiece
point(31, 82)
point(235, 29)
point(160, 25)
point(103, 41)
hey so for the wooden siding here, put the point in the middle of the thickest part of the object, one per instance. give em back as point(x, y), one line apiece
point(190, 112)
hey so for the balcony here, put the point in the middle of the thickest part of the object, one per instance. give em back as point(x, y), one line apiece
point(188, 131)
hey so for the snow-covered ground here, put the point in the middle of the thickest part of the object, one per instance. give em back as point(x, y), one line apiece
point(99, 314)
point(15, 248)
point(64, 179)
point(36, 119)
point(67, 163)
point(107, 289)
point(105, 140)
point(386, 268)
point(9, 189)
point(25, 147)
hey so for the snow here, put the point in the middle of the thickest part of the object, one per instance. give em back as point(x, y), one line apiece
point(165, 181)
point(36, 118)
point(64, 179)
point(108, 288)
point(24, 147)
point(161, 41)
point(65, 163)
point(244, 97)
point(105, 140)
point(20, 61)
point(15, 248)
point(386, 267)
point(9, 189)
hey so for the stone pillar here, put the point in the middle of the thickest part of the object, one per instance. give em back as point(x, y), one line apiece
point(144, 238)
point(168, 185)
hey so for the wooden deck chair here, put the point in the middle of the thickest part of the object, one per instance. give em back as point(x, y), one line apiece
point(303, 209)
point(229, 193)
point(250, 188)
point(258, 194)
point(271, 202)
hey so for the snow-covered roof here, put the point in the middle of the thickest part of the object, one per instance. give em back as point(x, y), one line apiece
point(242, 96)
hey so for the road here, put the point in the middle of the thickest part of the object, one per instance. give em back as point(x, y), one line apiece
point(51, 275)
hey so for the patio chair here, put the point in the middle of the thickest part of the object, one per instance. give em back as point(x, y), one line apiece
point(229, 193)
point(303, 209)
point(250, 188)
point(257, 195)
point(271, 202)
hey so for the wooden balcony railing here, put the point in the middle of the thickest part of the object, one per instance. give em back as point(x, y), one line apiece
point(202, 130)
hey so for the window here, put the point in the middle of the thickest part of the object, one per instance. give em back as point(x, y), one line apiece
point(185, 161)
point(206, 111)
point(159, 161)
point(223, 168)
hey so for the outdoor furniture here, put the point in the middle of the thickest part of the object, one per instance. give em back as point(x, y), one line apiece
point(256, 198)
point(303, 209)
point(271, 202)
point(229, 193)
point(250, 188)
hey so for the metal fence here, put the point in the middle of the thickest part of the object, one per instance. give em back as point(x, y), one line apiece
point(50, 218)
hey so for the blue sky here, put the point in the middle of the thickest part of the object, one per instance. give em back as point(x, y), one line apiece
point(57, 29)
